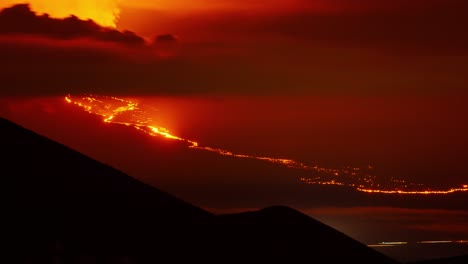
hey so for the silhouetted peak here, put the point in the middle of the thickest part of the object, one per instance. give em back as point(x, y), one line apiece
point(280, 209)
point(56, 175)
point(91, 209)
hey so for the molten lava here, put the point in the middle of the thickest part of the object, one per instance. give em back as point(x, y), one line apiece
point(125, 112)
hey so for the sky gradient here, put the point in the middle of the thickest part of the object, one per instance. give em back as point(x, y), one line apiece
point(225, 47)
point(332, 82)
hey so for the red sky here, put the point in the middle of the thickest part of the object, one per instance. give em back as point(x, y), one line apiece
point(255, 47)
point(407, 53)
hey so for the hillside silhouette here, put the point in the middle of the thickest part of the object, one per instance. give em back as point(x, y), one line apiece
point(69, 208)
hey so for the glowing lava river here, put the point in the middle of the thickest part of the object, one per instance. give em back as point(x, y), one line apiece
point(128, 113)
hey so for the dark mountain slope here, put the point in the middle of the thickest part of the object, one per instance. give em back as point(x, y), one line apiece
point(289, 235)
point(61, 196)
point(69, 208)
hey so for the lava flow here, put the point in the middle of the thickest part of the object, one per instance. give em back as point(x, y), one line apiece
point(125, 112)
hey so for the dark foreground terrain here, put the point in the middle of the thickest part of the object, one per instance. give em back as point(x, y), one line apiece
point(68, 208)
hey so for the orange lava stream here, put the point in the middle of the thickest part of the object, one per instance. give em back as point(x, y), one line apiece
point(405, 243)
point(449, 191)
point(120, 111)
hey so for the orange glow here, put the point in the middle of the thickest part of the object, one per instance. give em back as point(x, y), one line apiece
point(424, 192)
point(231, 5)
point(404, 243)
point(104, 12)
point(436, 242)
point(394, 243)
point(120, 111)
point(253, 7)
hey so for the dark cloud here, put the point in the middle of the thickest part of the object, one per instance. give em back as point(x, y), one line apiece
point(300, 53)
point(166, 38)
point(35, 66)
point(20, 19)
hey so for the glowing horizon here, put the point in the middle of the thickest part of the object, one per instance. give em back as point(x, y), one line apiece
point(113, 109)
point(406, 243)
point(104, 12)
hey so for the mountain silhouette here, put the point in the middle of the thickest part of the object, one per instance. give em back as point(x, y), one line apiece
point(69, 208)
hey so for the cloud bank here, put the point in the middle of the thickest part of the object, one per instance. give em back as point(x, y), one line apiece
point(20, 19)
point(103, 12)
point(386, 49)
